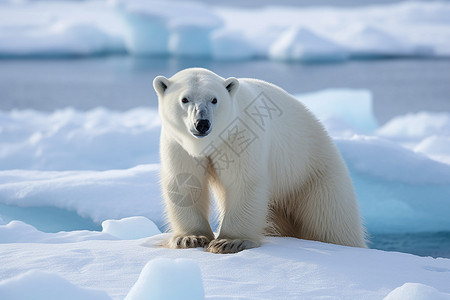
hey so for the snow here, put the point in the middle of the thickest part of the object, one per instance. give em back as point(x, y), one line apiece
point(281, 268)
point(102, 166)
point(98, 195)
point(130, 228)
point(40, 285)
point(159, 277)
point(194, 29)
point(97, 139)
point(416, 291)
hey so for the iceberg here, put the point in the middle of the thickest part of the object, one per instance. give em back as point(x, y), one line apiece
point(304, 45)
point(195, 29)
point(231, 45)
point(370, 41)
point(343, 112)
point(167, 28)
point(436, 147)
point(416, 126)
point(398, 190)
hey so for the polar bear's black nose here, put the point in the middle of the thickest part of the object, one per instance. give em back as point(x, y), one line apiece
point(202, 126)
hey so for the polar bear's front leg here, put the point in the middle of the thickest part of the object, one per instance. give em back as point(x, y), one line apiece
point(244, 205)
point(187, 204)
point(186, 195)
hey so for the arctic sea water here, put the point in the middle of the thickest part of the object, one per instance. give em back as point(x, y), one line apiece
point(121, 83)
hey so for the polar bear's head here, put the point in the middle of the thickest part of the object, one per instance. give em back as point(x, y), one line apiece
point(195, 106)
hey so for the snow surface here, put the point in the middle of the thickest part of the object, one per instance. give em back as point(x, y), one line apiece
point(188, 28)
point(97, 139)
point(103, 166)
point(282, 268)
point(98, 195)
point(40, 285)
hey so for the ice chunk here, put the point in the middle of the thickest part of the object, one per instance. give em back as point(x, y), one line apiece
point(398, 190)
point(386, 160)
point(60, 39)
point(112, 194)
point(416, 126)
point(190, 41)
point(231, 45)
point(302, 44)
point(130, 228)
point(416, 291)
point(367, 40)
point(40, 285)
point(145, 34)
point(164, 278)
point(436, 147)
point(342, 110)
point(69, 139)
point(162, 28)
point(148, 27)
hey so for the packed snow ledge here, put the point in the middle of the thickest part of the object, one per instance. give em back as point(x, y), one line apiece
point(282, 268)
point(192, 29)
point(99, 170)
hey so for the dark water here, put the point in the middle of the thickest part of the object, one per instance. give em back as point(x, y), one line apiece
point(48, 219)
point(435, 244)
point(398, 86)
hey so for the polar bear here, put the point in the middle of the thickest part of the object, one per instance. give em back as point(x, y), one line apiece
point(268, 161)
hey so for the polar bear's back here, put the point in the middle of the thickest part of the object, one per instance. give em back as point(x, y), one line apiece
point(296, 136)
point(312, 195)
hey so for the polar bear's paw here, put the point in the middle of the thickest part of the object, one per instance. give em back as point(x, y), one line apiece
point(225, 246)
point(189, 241)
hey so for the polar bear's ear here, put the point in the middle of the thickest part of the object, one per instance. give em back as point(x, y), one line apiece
point(232, 85)
point(160, 84)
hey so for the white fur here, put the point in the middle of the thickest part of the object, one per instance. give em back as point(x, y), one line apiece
point(282, 175)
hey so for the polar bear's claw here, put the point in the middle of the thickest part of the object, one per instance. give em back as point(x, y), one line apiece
point(225, 246)
point(190, 241)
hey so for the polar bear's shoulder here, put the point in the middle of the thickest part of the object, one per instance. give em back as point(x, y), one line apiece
point(261, 85)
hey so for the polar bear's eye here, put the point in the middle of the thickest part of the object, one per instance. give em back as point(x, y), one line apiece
point(214, 101)
point(184, 100)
